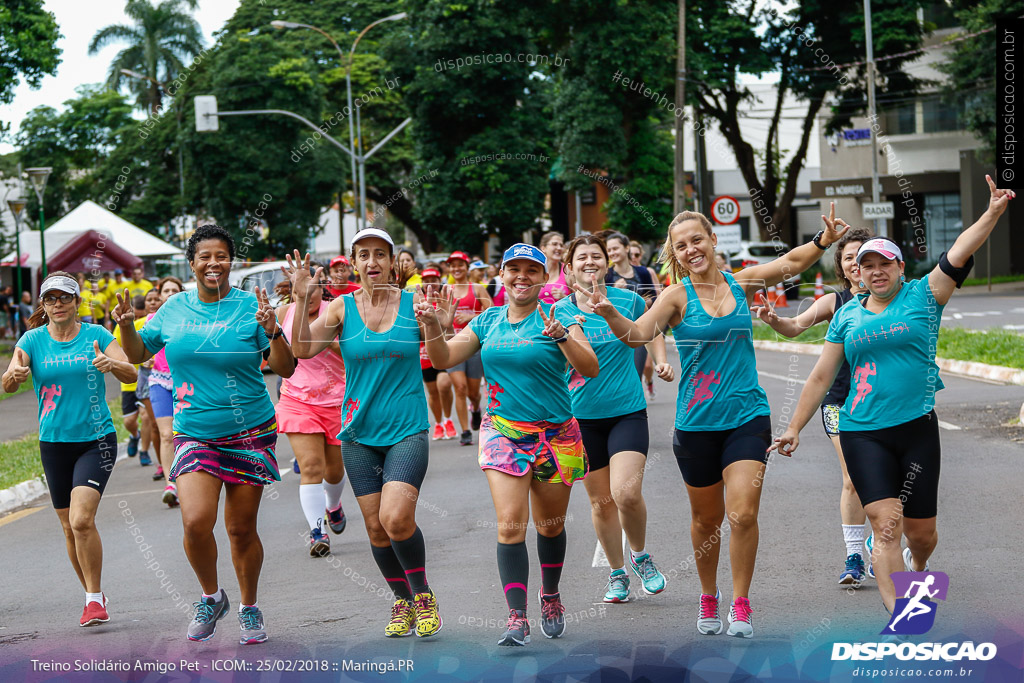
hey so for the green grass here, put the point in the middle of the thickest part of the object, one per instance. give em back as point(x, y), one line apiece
point(975, 281)
point(19, 459)
point(5, 360)
point(994, 346)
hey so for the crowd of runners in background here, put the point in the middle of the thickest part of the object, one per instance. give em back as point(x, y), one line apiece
point(546, 360)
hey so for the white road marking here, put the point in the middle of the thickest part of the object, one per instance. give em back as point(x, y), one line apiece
point(948, 425)
point(600, 559)
point(782, 377)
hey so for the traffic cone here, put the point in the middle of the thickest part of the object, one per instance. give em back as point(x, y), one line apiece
point(819, 286)
point(758, 298)
point(780, 297)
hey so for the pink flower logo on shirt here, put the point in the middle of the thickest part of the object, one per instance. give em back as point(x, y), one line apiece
point(576, 380)
point(180, 393)
point(48, 394)
point(703, 382)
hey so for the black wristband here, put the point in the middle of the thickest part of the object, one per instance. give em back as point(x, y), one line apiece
point(958, 275)
point(817, 241)
point(564, 338)
point(279, 333)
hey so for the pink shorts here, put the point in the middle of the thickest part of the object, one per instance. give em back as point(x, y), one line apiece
point(294, 417)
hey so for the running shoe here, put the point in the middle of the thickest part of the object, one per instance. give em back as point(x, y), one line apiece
point(739, 619)
point(517, 631)
point(552, 615)
point(854, 572)
point(295, 466)
point(336, 519)
point(708, 621)
point(475, 419)
point(319, 542)
point(868, 544)
point(250, 619)
point(208, 611)
point(159, 474)
point(438, 432)
point(618, 587)
point(428, 621)
point(133, 445)
point(144, 458)
point(449, 429)
point(651, 579)
point(170, 497)
point(466, 439)
point(908, 561)
point(94, 613)
point(403, 620)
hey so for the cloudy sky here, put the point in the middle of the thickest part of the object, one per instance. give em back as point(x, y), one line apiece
point(78, 21)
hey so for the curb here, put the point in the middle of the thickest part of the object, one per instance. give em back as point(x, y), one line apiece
point(995, 373)
point(27, 492)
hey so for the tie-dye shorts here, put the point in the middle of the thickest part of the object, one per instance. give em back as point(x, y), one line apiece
point(243, 458)
point(554, 451)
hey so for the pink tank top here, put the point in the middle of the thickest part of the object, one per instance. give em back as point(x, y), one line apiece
point(319, 380)
point(547, 292)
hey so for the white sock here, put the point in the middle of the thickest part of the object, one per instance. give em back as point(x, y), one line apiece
point(636, 553)
point(853, 534)
point(215, 595)
point(332, 493)
point(94, 597)
point(241, 606)
point(311, 498)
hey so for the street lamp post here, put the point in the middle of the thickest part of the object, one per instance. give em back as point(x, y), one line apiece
point(358, 180)
point(17, 206)
point(39, 176)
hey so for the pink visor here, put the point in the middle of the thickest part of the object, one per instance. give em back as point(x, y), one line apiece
point(880, 245)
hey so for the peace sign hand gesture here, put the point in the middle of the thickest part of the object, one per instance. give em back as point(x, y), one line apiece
point(832, 227)
point(999, 198)
point(102, 362)
point(298, 274)
point(598, 301)
point(552, 327)
point(123, 313)
point(264, 313)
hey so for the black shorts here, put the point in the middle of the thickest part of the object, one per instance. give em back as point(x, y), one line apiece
point(129, 403)
point(897, 462)
point(68, 464)
point(606, 436)
point(370, 467)
point(703, 456)
point(430, 374)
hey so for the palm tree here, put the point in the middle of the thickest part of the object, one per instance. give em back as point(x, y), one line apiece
point(161, 39)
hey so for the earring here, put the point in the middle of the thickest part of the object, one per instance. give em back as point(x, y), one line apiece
point(903, 278)
point(861, 284)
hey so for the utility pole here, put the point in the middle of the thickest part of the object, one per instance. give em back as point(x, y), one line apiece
point(679, 194)
point(872, 115)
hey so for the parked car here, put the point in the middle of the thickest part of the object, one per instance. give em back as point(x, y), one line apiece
point(266, 275)
point(757, 253)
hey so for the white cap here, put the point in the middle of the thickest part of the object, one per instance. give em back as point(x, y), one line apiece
point(60, 283)
point(373, 232)
point(880, 245)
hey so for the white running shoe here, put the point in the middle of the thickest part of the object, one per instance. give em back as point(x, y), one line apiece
point(708, 621)
point(739, 619)
point(908, 563)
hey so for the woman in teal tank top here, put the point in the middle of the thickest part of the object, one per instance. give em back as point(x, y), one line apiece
point(722, 417)
point(888, 427)
point(384, 416)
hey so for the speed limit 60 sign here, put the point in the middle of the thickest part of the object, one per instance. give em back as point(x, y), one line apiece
point(725, 210)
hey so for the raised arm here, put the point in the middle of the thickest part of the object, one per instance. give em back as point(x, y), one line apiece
point(310, 339)
point(794, 262)
point(820, 311)
point(444, 354)
point(281, 359)
point(113, 360)
point(17, 371)
point(123, 315)
point(573, 342)
point(821, 378)
point(969, 241)
point(667, 308)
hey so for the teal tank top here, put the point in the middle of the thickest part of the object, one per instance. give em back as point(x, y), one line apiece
point(718, 386)
point(384, 397)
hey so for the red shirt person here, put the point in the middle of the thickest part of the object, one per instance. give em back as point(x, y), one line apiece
point(341, 269)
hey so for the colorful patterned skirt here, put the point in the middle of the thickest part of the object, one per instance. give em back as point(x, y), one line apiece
point(243, 458)
point(553, 451)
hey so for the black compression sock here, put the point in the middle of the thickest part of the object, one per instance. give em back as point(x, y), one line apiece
point(514, 571)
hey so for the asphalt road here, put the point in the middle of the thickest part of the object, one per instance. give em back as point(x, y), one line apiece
point(331, 609)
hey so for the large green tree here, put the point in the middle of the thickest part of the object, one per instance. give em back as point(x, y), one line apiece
point(971, 65)
point(74, 142)
point(803, 45)
point(161, 39)
point(28, 47)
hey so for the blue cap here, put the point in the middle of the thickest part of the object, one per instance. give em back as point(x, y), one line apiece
point(475, 265)
point(118, 271)
point(524, 251)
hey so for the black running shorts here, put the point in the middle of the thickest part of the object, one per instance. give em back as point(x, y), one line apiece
point(897, 462)
point(606, 436)
point(68, 464)
point(703, 456)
